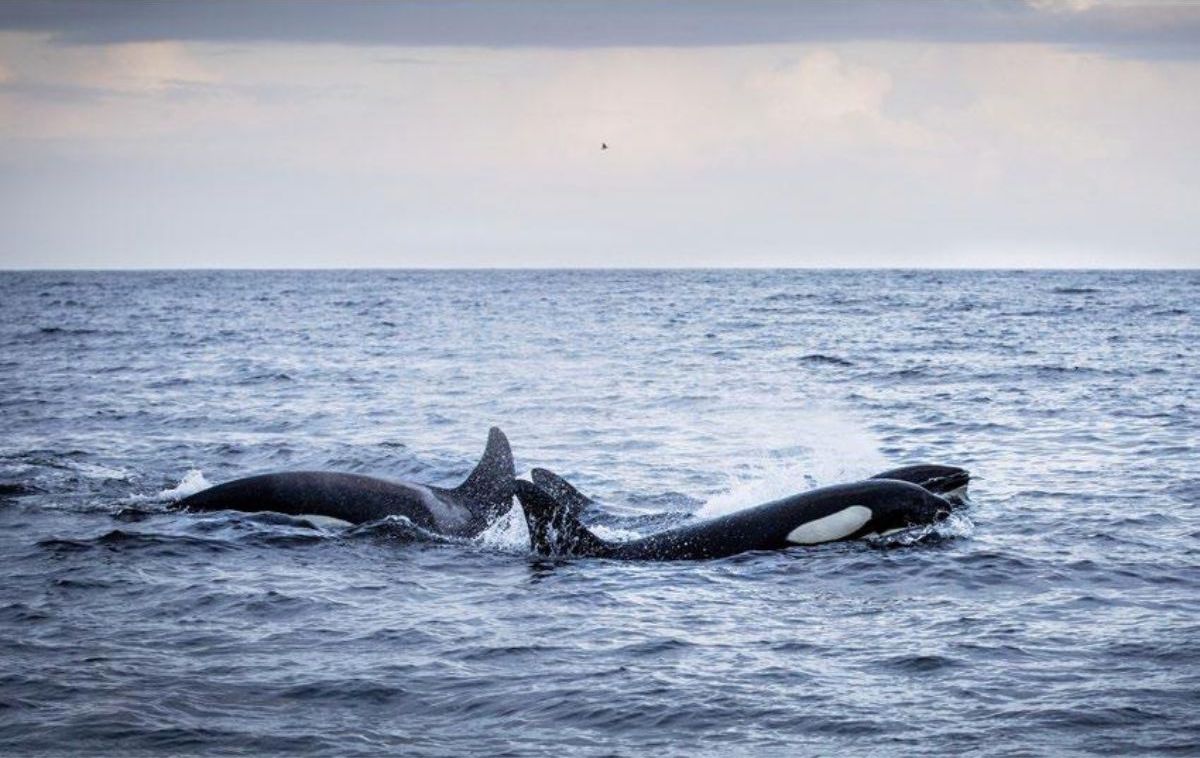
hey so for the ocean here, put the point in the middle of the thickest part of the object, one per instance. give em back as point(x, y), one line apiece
point(1058, 614)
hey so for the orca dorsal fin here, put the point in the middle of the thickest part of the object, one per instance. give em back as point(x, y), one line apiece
point(488, 490)
point(562, 491)
point(554, 529)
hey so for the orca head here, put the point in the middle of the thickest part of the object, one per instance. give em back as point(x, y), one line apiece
point(948, 481)
point(904, 507)
point(882, 507)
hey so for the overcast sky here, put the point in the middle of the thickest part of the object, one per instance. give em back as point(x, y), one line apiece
point(740, 133)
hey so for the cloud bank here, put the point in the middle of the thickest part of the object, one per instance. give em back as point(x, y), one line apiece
point(1165, 27)
point(870, 136)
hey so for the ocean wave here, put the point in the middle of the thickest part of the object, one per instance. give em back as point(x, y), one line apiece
point(821, 358)
point(120, 539)
point(1068, 587)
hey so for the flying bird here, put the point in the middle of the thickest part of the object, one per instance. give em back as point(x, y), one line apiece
point(603, 145)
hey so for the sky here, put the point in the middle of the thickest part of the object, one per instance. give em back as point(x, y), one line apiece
point(297, 134)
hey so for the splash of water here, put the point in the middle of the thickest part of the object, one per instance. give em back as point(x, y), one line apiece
point(193, 481)
point(509, 533)
point(833, 447)
point(956, 525)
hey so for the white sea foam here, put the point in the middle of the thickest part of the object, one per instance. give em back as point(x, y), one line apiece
point(96, 471)
point(193, 481)
point(956, 525)
point(508, 533)
point(614, 534)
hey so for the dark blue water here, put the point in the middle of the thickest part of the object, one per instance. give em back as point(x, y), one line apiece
point(1060, 614)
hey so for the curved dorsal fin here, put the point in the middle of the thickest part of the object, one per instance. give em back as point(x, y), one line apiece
point(490, 486)
point(562, 491)
point(553, 528)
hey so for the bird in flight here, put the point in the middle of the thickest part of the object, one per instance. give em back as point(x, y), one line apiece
point(603, 145)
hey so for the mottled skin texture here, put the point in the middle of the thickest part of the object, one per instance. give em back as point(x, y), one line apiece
point(464, 511)
point(555, 530)
point(561, 490)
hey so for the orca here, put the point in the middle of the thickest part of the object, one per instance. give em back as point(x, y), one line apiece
point(561, 490)
point(948, 481)
point(827, 514)
point(464, 511)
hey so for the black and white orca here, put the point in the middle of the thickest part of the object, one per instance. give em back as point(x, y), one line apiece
point(948, 481)
point(463, 511)
point(828, 514)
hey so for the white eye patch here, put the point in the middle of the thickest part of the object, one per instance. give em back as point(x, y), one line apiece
point(835, 526)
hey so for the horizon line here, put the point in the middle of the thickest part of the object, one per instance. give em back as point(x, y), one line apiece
point(299, 269)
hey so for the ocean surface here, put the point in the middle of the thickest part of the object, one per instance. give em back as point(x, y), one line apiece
point(1058, 614)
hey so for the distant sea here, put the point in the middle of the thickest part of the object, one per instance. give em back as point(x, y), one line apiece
point(1059, 614)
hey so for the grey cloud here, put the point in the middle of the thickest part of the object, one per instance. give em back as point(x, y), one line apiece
point(1167, 29)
